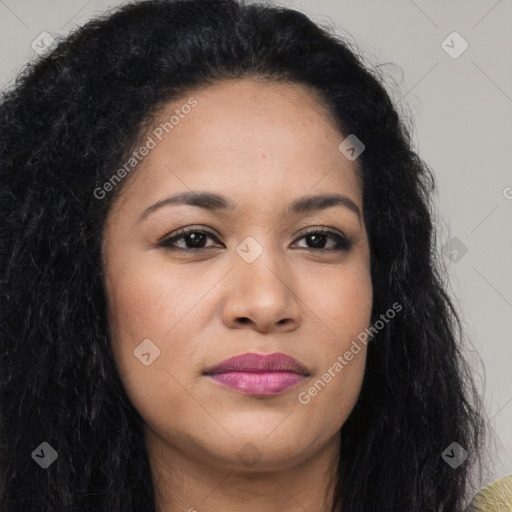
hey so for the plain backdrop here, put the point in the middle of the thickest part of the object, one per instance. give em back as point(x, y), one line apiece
point(457, 89)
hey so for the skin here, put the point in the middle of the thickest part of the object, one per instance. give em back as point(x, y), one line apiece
point(262, 145)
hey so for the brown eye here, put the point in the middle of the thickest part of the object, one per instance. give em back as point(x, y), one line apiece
point(318, 237)
point(194, 240)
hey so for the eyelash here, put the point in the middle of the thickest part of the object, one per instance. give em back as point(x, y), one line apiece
point(342, 243)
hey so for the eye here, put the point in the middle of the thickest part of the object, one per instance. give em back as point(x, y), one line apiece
point(318, 237)
point(193, 240)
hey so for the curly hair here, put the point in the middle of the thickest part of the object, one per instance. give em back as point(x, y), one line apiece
point(68, 123)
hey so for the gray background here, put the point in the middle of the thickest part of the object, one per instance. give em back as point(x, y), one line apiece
point(462, 110)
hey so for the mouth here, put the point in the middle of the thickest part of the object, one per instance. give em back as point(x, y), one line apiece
point(259, 374)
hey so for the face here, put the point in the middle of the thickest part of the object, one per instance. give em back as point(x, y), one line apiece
point(192, 285)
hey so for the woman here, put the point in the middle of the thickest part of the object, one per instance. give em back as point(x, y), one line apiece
point(219, 288)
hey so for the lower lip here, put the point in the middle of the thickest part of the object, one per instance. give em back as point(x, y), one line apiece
point(258, 383)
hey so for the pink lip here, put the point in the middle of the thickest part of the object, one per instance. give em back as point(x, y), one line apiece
point(259, 374)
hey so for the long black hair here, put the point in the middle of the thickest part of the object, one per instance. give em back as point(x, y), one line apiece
point(68, 124)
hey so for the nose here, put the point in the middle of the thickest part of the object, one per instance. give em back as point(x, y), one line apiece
point(260, 296)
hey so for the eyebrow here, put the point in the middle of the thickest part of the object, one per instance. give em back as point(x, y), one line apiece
point(212, 202)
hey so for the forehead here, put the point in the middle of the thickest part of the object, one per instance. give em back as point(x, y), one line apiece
point(250, 139)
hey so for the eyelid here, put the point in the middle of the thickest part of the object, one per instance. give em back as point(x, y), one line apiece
point(185, 231)
point(321, 229)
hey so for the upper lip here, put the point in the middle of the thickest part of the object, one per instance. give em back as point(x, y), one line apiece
point(252, 362)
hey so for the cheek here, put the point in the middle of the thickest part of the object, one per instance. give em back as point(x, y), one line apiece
point(344, 307)
point(144, 307)
point(146, 301)
point(151, 365)
point(332, 393)
point(343, 303)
